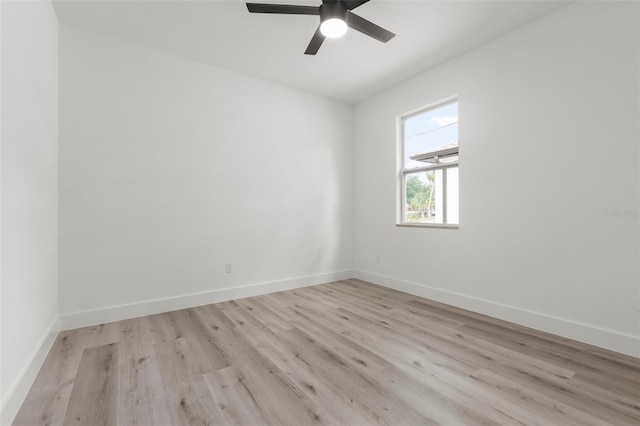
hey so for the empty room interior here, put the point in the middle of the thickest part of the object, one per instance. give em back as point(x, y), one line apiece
point(318, 212)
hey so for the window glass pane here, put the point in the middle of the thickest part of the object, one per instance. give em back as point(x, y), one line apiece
point(453, 215)
point(422, 197)
point(439, 217)
point(433, 129)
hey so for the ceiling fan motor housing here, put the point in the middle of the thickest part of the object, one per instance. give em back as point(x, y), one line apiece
point(333, 9)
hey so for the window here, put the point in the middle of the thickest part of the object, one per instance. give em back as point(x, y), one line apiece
point(429, 167)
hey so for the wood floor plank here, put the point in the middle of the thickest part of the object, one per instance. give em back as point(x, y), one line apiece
point(459, 346)
point(332, 407)
point(337, 406)
point(161, 327)
point(94, 399)
point(205, 353)
point(268, 317)
point(274, 392)
point(548, 409)
point(387, 344)
point(491, 352)
point(47, 401)
point(235, 401)
point(589, 368)
point(387, 406)
point(341, 294)
point(359, 356)
point(548, 340)
point(141, 397)
point(556, 380)
point(448, 345)
point(189, 401)
point(342, 353)
point(374, 290)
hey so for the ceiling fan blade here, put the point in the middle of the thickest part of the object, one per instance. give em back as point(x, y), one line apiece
point(352, 4)
point(287, 9)
point(368, 28)
point(315, 43)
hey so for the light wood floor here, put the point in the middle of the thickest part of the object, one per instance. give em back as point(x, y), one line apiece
point(348, 352)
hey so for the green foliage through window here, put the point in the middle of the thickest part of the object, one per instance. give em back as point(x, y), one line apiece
point(421, 195)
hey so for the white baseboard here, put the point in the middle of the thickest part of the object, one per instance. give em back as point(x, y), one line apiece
point(156, 306)
point(619, 342)
point(18, 390)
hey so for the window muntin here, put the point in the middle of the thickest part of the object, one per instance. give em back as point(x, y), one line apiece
point(429, 169)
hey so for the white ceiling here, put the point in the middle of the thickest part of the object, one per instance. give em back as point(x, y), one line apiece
point(349, 69)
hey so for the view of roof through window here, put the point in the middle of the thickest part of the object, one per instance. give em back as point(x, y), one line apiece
point(433, 130)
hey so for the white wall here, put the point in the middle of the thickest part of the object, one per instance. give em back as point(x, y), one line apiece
point(170, 168)
point(548, 142)
point(29, 164)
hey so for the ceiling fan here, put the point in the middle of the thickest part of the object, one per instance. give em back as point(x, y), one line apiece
point(335, 17)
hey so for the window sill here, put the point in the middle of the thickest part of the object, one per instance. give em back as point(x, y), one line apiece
point(427, 225)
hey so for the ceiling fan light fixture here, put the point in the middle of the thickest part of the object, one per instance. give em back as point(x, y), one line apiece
point(333, 27)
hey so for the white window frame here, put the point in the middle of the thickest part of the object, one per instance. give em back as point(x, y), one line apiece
point(404, 172)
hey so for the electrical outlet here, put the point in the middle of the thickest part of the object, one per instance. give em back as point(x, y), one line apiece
point(229, 268)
